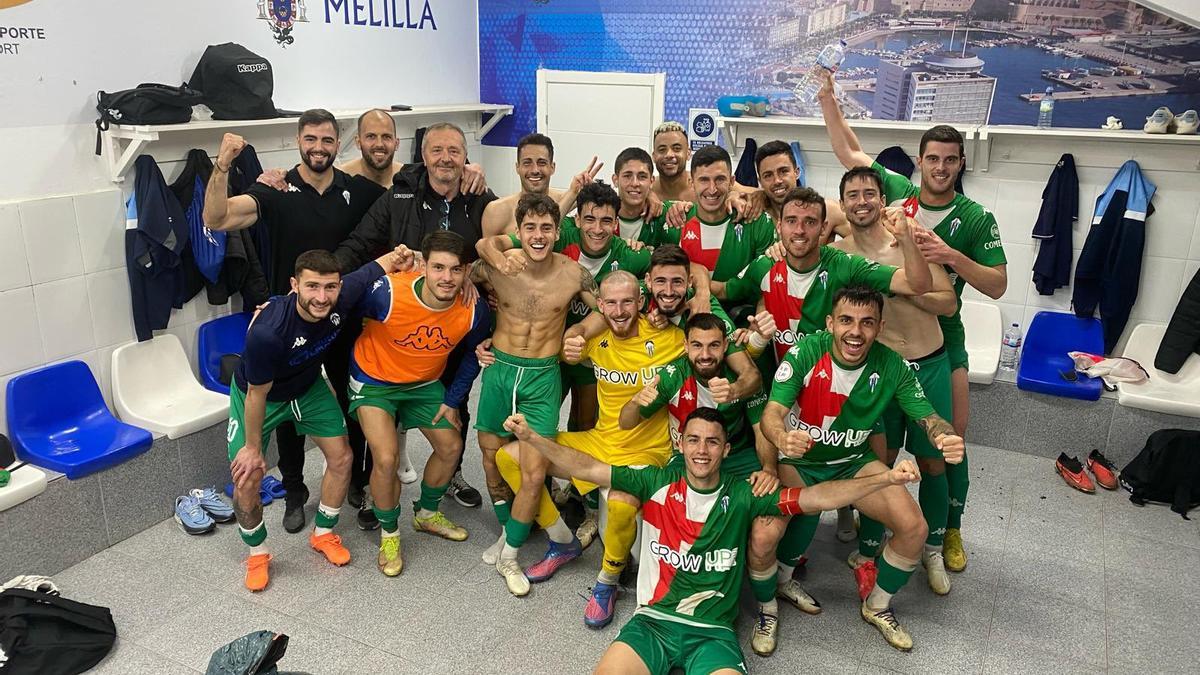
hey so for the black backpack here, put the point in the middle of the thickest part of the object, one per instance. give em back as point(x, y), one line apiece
point(148, 103)
point(42, 633)
point(1166, 470)
point(237, 84)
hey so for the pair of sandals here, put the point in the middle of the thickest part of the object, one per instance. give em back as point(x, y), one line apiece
point(270, 490)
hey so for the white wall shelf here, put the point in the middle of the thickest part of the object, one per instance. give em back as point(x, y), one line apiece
point(123, 143)
point(980, 138)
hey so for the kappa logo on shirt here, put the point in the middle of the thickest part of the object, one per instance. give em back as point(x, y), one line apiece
point(823, 374)
point(690, 235)
point(604, 344)
point(378, 282)
point(335, 319)
point(346, 196)
point(403, 195)
point(677, 496)
point(778, 278)
point(300, 342)
point(687, 396)
point(426, 338)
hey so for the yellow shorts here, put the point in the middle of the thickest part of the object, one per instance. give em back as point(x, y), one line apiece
point(593, 443)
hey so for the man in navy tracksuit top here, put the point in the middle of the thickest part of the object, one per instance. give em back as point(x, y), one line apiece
point(279, 381)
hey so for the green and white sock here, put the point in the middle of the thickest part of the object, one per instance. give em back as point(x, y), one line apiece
point(255, 537)
point(326, 518)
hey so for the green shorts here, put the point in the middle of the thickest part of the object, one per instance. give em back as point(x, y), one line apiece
point(413, 406)
point(532, 387)
point(316, 413)
point(665, 644)
point(737, 466)
point(954, 336)
point(576, 375)
point(819, 472)
point(933, 372)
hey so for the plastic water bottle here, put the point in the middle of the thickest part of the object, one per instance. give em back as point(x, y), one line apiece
point(1046, 109)
point(830, 58)
point(1010, 348)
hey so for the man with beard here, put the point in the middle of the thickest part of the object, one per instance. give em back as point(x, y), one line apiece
point(670, 154)
point(957, 233)
point(318, 209)
point(535, 167)
point(376, 141)
point(414, 322)
point(533, 292)
point(424, 198)
point(279, 380)
point(693, 544)
point(778, 173)
point(910, 328)
point(828, 395)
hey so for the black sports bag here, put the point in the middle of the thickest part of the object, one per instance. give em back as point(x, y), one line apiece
point(147, 103)
point(42, 633)
point(237, 84)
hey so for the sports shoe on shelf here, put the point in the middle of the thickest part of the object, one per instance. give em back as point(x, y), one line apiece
point(1112, 124)
point(952, 550)
point(588, 530)
point(600, 607)
point(441, 526)
point(390, 560)
point(191, 516)
point(1187, 123)
point(889, 627)
point(766, 634)
point(514, 577)
point(213, 505)
point(330, 546)
point(463, 493)
point(258, 572)
point(935, 572)
point(1072, 472)
point(791, 591)
point(847, 524)
point(1104, 470)
point(1161, 121)
point(404, 467)
point(557, 555)
point(293, 511)
point(865, 572)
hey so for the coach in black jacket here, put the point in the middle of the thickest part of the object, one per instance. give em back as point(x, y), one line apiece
point(423, 198)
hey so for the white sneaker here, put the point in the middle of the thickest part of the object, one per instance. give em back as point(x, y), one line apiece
point(588, 529)
point(935, 571)
point(404, 467)
point(1187, 123)
point(514, 576)
point(491, 555)
point(847, 527)
point(1161, 121)
point(766, 634)
point(791, 591)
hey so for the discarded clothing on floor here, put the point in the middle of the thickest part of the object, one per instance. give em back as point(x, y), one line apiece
point(42, 633)
point(32, 582)
point(252, 654)
point(1166, 470)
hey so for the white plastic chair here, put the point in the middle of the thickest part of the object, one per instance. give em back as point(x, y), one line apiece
point(1177, 394)
point(154, 388)
point(985, 330)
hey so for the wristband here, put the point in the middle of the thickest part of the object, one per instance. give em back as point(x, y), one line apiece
point(758, 341)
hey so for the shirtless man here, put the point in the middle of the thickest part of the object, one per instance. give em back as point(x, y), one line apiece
point(535, 167)
point(910, 328)
point(533, 292)
point(670, 151)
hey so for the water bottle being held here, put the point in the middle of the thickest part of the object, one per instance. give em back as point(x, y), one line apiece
point(1010, 348)
point(1046, 109)
point(830, 58)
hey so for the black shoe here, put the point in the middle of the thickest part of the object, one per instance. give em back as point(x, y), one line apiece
point(463, 493)
point(293, 511)
point(367, 520)
point(355, 497)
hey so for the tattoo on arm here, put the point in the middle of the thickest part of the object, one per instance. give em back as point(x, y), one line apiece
point(587, 283)
point(935, 426)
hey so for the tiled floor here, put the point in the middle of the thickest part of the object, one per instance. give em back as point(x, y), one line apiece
point(1058, 581)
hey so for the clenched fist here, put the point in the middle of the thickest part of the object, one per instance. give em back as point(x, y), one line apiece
point(720, 390)
point(953, 448)
point(795, 443)
point(904, 472)
point(516, 425)
point(514, 263)
point(573, 348)
point(763, 323)
point(648, 393)
point(231, 147)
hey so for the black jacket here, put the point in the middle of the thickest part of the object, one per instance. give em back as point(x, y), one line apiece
point(408, 211)
point(1183, 333)
point(1060, 205)
point(154, 249)
point(1166, 470)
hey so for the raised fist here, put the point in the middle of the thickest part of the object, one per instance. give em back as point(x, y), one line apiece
point(231, 147)
point(573, 348)
point(795, 443)
point(720, 390)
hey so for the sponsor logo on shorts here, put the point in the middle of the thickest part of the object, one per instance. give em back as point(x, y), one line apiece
point(426, 338)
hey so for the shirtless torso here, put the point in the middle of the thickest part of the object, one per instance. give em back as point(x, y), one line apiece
point(500, 217)
point(910, 327)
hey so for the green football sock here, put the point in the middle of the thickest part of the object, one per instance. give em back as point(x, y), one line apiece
point(797, 537)
point(431, 497)
point(387, 518)
point(960, 479)
point(894, 571)
point(516, 532)
point(256, 536)
point(503, 511)
point(763, 584)
point(326, 518)
point(934, 497)
point(870, 536)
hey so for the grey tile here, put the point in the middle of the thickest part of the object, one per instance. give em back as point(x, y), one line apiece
point(1132, 426)
point(1069, 630)
point(204, 459)
point(1036, 538)
point(54, 530)
point(1133, 551)
point(1155, 645)
point(376, 661)
point(142, 491)
point(936, 648)
point(996, 417)
point(127, 658)
point(1008, 656)
point(1152, 521)
point(865, 668)
point(1044, 494)
point(1054, 424)
point(1149, 591)
point(797, 655)
point(1061, 578)
point(967, 609)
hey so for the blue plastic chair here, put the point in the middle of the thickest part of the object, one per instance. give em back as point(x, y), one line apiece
point(226, 335)
point(58, 420)
point(1044, 355)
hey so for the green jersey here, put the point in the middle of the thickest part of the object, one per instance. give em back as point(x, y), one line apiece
point(681, 318)
point(694, 543)
point(638, 229)
point(799, 300)
point(963, 224)
point(837, 405)
point(724, 247)
point(682, 392)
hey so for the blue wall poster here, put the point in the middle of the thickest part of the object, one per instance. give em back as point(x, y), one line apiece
point(956, 61)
